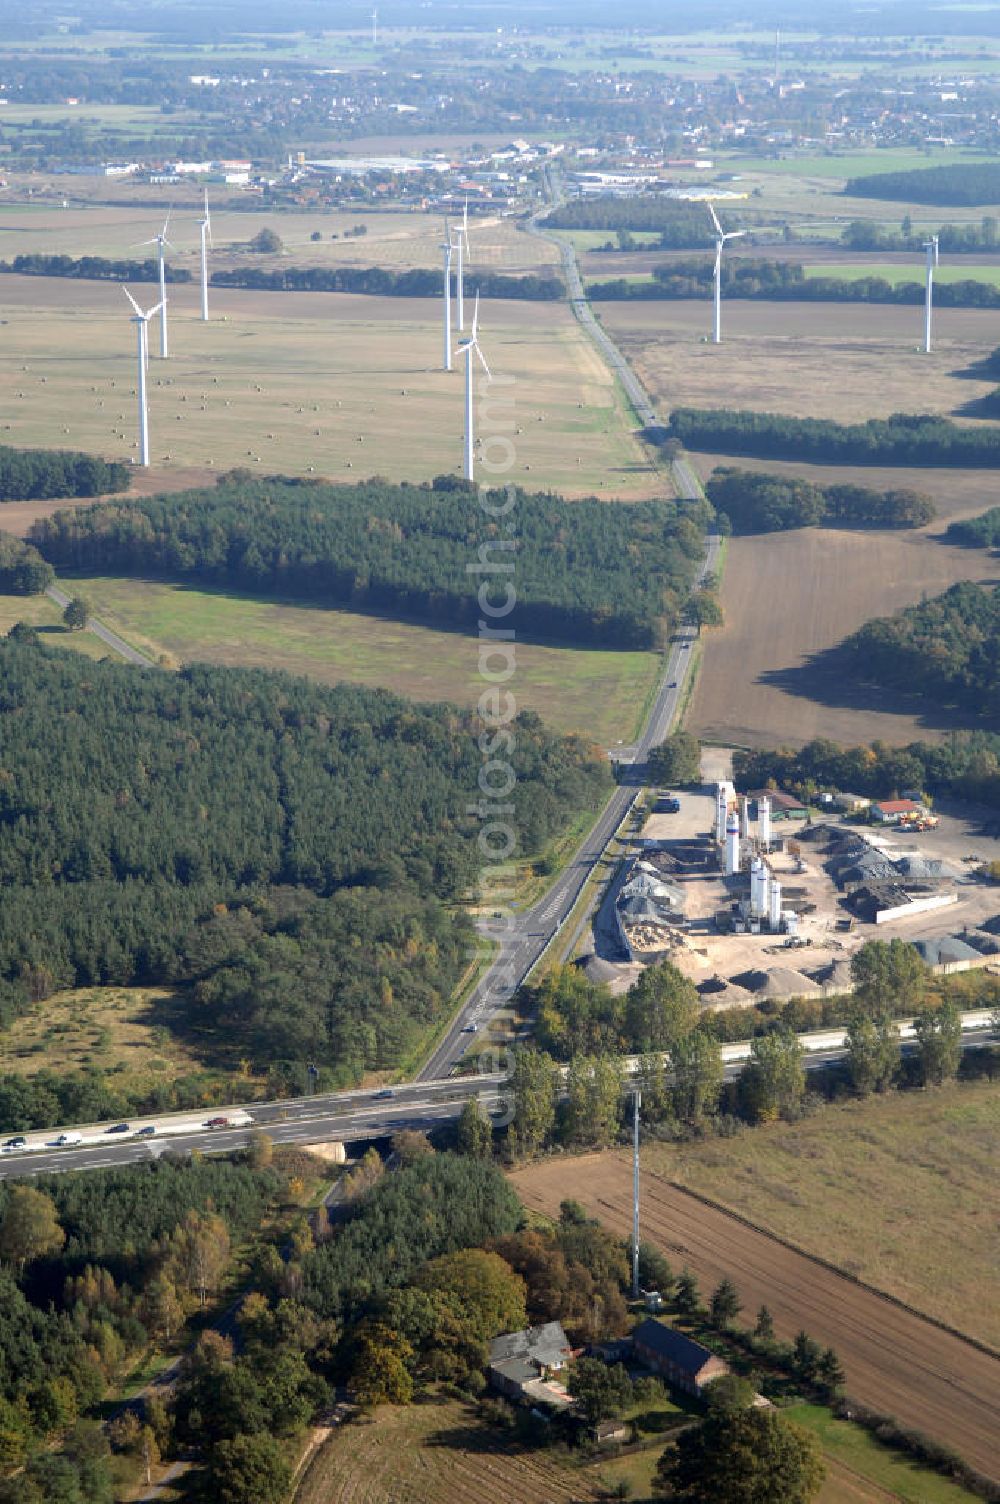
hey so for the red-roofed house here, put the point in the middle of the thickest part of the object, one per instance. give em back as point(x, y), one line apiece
point(891, 811)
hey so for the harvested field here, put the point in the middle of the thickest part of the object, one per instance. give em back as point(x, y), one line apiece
point(327, 383)
point(436, 1453)
point(926, 1159)
point(845, 361)
point(770, 676)
point(895, 1362)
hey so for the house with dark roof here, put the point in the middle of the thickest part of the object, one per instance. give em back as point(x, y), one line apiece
point(523, 1365)
point(677, 1358)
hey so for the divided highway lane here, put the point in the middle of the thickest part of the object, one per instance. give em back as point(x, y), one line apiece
point(523, 944)
point(353, 1117)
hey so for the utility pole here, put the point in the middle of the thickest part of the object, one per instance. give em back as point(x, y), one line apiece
point(636, 1101)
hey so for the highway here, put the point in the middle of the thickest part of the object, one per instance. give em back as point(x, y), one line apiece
point(524, 942)
point(355, 1116)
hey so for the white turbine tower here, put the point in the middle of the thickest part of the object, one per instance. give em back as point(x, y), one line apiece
point(463, 249)
point(161, 242)
point(720, 240)
point(374, 28)
point(205, 226)
point(447, 247)
point(931, 247)
point(141, 322)
point(468, 348)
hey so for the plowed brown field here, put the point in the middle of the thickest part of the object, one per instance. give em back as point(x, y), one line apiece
point(895, 1362)
point(769, 676)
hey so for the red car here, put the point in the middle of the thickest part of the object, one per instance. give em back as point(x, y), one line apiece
point(217, 1123)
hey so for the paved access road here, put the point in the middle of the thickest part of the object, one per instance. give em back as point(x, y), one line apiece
point(107, 636)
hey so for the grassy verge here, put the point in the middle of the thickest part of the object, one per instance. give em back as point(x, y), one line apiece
point(847, 1446)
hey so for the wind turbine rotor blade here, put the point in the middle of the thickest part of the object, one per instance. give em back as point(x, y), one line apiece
point(132, 300)
point(475, 319)
point(153, 311)
point(734, 235)
point(482, 357)
point(715, 219)
point(166, 222)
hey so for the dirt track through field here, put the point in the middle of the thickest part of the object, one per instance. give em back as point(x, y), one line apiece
point(896, 1362)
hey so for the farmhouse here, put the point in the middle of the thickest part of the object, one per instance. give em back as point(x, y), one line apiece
point(679, 1359)
point(522, 1364)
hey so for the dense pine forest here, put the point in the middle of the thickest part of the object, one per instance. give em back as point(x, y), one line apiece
point(755, 502)
point(294, 852)
point(902, 439)
point(37, 474)
point(681, 226)
point(418, 282)
point(947, 649)
point(785, 281)
point(585, 571)
point(961, 183)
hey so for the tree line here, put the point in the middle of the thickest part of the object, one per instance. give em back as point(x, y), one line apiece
point(23, 571)
point(870, 235)
point(786, 281)
point(977, 532)
point(681, 226)
point(587, 572)
point(961, 184)
point(417, 282)
point(293, 852)
point(965, 765)
point(754, 502)
point(946, 649)
point(39, 474)
point(93, 268)
point(902, 439)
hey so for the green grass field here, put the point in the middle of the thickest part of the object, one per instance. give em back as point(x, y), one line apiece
point(601, 695)
point(39, 612)
point(894, 273)
point(846, 1446)
point(925, 1159)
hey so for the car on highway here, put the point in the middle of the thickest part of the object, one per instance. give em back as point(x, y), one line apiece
point(471, 1029)
point(11, 1145)
point(146, 1132)
point(380, 1096)
point(672, 684)
point(67, 1140)
point(119, 1128)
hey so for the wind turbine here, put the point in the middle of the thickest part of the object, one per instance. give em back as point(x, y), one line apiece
point(467, 348)
point(141, 322)
point(447, 247)
point(161, 241)
point(205, 226)
point(720, 240)
point(931, 247)
point(463, 248)
point(374, 28)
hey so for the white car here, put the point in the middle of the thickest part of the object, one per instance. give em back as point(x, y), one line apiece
point(66, 1140)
